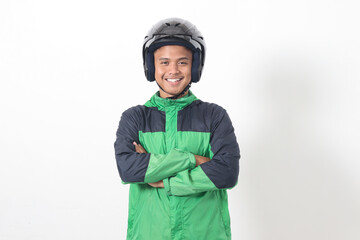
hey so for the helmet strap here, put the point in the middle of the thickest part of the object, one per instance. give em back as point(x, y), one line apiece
point(176, 96)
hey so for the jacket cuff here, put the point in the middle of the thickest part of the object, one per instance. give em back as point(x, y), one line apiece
point(192, 161)
point(166, 182)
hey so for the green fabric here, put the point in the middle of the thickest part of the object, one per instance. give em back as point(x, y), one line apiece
point(189, 182)
point(195, 142)
point(164, 165)
point(189, 198)
point(165, 103)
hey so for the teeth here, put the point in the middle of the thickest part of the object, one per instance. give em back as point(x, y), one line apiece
point(173, 80)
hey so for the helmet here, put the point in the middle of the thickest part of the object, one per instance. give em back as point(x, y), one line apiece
point(174, 31)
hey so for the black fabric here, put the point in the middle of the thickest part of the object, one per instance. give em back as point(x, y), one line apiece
point(197, 117)
point(131, 165)
point(223, 169)
point(147, 119)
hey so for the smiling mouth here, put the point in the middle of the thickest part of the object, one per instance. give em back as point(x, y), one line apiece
point(173, 80)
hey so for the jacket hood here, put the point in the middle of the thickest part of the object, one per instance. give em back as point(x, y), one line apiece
point(162, 103)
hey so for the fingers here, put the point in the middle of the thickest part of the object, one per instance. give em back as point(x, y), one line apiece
point(159, 184)
point(139, 148)
point(200, 159)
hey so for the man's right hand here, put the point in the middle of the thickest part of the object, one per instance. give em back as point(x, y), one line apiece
point(200, 159)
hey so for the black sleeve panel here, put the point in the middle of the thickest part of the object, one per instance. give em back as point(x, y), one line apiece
point(132, 166)
point(196, 117)
point(223, 169)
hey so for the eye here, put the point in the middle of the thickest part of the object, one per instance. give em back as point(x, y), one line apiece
point(164, 62)
point(183, 63)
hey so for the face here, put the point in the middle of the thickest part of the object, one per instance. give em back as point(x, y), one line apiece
point(172, 69)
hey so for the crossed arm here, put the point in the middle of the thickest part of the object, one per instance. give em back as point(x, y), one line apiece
point(160, 184)
point(179, 172)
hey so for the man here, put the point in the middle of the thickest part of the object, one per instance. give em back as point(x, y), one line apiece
point(179, 153)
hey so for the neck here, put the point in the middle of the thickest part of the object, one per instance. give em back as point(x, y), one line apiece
point(167, 95)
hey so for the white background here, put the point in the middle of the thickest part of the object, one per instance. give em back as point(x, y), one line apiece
point(286, 71)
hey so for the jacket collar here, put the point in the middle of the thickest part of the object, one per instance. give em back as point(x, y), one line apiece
point(162, 103)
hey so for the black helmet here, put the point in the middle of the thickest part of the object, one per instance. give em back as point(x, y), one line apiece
point(174, 31)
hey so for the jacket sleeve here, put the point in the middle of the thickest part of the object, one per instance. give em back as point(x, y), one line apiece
point(219, 173)
point(136, 167)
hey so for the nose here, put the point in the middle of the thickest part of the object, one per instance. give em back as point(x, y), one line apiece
point(173, 68)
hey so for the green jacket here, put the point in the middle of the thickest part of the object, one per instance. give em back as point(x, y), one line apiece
point(193, 205)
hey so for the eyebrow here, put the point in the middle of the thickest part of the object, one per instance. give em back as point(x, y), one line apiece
point(182, 58)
